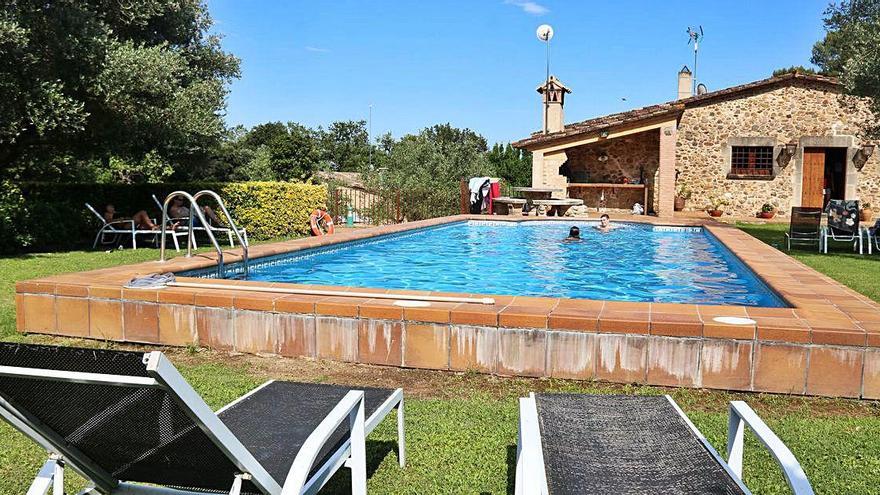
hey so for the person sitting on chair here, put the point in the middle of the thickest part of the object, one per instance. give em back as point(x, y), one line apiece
point(142, 220)
point(574, 235)
point(179, 210)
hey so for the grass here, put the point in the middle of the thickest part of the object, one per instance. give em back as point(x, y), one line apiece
point(859, 272)
point(461, 427)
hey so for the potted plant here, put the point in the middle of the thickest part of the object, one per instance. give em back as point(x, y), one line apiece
point(682, 194)
point(866, 213)
point(767, 211)
point(715, 205)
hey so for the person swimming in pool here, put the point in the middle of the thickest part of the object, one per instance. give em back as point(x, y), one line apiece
point(574, 235)
point(604, 223)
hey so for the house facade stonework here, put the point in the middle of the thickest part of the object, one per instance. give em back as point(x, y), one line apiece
point(805, 113)
point(792, 140)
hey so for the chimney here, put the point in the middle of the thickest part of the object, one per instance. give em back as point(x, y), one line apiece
point(553, 100)
point(685, 83)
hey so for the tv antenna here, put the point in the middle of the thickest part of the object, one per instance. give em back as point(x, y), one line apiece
point(695, 36)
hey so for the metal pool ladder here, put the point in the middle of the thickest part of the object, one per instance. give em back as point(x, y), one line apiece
point(194, 209)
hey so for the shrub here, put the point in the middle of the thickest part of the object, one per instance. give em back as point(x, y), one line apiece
point(41, 215)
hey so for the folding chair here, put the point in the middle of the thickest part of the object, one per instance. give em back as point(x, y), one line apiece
point(129, 423)
point(110, 232)
point(803, 227)
point(843, 224)
point(577, 443)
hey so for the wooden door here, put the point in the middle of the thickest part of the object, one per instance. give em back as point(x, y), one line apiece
point(814, 177)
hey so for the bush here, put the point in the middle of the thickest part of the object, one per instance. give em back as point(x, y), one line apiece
point(41, 215)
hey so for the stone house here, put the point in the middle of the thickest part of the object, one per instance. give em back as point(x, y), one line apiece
point(790, 140)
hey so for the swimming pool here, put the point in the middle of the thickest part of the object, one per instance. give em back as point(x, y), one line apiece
point(633, 262)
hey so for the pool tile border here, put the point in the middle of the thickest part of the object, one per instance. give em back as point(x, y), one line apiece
point(656, 343)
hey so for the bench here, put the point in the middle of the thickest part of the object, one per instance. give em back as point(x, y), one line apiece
point(555, 206)
point(504, 205)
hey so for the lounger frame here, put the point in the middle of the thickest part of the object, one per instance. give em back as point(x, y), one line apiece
point(164, 375)
point(118, 228)
point(531, 476)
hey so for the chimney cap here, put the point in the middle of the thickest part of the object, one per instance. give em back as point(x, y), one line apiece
point(684, 70)
point(554, 84)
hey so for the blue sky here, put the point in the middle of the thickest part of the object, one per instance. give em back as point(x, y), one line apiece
point(476, 63)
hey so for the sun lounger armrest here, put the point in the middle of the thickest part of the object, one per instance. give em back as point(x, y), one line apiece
point(740, 416)
point(128, 223)
point(351, 407)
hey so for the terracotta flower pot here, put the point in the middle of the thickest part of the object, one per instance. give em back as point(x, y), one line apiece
point(679, 203)
point(866, 214)
point(716, 213)
point(767, 214)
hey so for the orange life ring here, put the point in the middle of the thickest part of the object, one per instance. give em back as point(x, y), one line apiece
point(321, 222)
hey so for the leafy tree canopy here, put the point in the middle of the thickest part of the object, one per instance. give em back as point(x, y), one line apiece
point(797, 69)
point(851, 50)
point(86, 80)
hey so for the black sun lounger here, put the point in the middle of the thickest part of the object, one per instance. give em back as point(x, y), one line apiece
point(607, 444)
point(129, 423)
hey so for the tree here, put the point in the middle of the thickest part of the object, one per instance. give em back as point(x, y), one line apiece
point(796, 69)
point(429, 166)
point(851, 51)
point(294, 148)
point(90, 80)
point(346, 145)
point(511, 164)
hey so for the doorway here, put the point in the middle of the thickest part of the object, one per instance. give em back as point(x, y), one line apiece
point(824, 176)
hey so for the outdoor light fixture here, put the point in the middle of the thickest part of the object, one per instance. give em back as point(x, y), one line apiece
point(545, 34)
point(787, 153)
point(603, 133)
point(862, 155)
point(603, 157)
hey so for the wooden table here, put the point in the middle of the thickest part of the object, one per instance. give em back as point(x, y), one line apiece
point(609, 185)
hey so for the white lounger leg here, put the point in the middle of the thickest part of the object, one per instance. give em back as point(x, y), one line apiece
point(740, 416)
point(531, 479)
point(46, 479)
point(401, 440)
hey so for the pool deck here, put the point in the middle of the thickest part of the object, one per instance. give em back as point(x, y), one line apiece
point(827, 343)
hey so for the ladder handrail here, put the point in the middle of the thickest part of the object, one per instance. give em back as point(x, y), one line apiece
point(241, 240)
point(194, 208)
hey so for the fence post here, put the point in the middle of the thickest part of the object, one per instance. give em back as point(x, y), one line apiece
point(465, 200)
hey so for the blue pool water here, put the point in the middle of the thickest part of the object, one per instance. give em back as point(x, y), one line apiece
point(631, 263)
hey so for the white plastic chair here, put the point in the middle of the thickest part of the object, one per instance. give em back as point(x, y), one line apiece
point(110, 232)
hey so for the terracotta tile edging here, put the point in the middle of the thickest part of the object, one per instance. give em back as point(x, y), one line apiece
point(824, 315)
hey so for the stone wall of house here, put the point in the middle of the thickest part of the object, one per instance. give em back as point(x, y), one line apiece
point(784, 114)
point(631, 157)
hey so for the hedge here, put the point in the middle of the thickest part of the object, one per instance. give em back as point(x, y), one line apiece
point(39, 215)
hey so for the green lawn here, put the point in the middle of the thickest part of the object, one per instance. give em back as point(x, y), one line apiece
point(461, 428)
point(860, 272)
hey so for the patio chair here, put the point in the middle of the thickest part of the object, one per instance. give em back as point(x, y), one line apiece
point(843, 225)
point(576, 443)
point(183, 226)
point(129, 423)
point(110, 232)
point(804, 227)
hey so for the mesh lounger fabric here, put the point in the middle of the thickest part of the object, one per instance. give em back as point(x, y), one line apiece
point(274, 422)
point(142, 435)
point(135, 434)
point(596, 444)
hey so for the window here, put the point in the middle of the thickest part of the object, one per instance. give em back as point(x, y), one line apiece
point(751, 161)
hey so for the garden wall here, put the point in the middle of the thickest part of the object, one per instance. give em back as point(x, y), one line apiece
point(47, 215)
